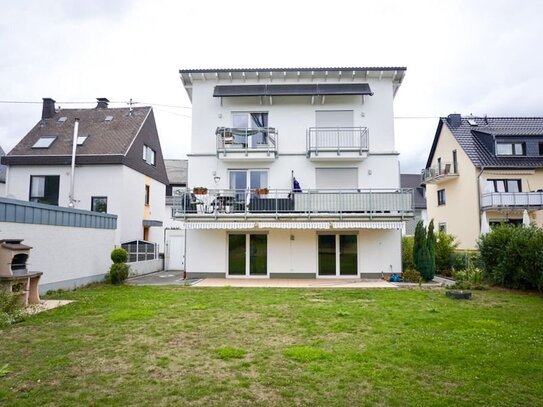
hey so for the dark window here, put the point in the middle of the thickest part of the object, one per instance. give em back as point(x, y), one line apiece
point(149, 155)
point(99, 204)
point(540, 148)
point(441, 197)
point(455, 162)
point(442, 227)
point(510, 149)
point(147, 194)
point(503, 185)
point(44, 189)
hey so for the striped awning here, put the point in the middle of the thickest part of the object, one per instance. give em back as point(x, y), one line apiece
point(220, 225)
point(294, 225)
point(367, 225)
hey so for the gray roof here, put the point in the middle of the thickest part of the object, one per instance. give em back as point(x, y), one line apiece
point(177, 171)
point(3, 168)
point(478, 141)
point(414, 181)
point(306, 69)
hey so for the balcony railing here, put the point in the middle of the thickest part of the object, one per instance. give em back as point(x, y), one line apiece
point(438, 172)
point(512, 200)
point(245, 140)
point(337, 139)
point(385, 203)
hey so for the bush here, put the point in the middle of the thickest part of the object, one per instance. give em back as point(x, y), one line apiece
point(118, 273)
point(445, 253)
point(469, 279)
point(119, 255)
point(10, 309)
point(411, 276)
point(512, 257)
point(407, 253)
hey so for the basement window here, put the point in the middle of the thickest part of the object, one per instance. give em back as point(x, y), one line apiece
point(44, 142)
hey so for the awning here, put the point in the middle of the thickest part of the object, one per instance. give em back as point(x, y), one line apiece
point(367, 225)
point(220, 225)
point(294, 225)
point(149, 223)
point(292, 90)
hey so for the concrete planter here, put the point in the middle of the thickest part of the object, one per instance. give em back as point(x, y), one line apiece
point(459, 294)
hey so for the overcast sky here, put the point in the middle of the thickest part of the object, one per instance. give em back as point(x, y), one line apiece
point(480, 57)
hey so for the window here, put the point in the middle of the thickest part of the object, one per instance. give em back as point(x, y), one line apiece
point(455, 162)
point(442, 227)
point(148, 155)
point(250, 120)
point(99, 204)
point(510, 149)
point(81, 140)
point(503, 185)
point(44, 142)
point(540, 148)
point(441, 197)
point(44, 189)
point(147, 194)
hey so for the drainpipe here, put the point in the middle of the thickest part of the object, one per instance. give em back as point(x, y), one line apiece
point(71, 199)
point(479, 193)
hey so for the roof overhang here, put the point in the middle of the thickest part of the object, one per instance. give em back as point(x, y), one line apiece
point(293, 225)
point(292, 90)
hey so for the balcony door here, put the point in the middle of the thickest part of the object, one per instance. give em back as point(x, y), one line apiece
point(248, 125)
point(247, 255)
point(338, 255)
point(243, 180)
point(329, 133)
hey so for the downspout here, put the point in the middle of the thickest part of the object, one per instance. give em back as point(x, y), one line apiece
point(71, 199)
point(480, 197)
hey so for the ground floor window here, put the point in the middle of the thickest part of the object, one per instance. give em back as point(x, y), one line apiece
point(496, 222)
point(44, 189)
point(247, 254)
point(338, 255)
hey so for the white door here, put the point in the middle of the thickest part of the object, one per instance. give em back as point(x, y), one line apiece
point(337, 178)
point(176, 253)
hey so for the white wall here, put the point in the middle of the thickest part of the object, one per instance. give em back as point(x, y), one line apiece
point(67, 256)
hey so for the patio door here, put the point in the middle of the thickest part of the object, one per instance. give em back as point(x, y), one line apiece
point(338, 255)
point(248, 255)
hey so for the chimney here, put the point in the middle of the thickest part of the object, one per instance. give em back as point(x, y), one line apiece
point(454, 119)
point(48, 109)
point(102, 103)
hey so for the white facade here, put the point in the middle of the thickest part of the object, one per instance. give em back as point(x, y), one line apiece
point(123, 187)
point(291, 251)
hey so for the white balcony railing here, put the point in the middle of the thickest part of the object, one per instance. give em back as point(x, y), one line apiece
point(391, 203)
point(438, 172)
point(338, 139)
point(239, 139)
point(512, 200)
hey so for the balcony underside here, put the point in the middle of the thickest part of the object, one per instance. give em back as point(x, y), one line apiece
point(335, 155)
point(321, 216)
point(232, 154)
point(440, 179)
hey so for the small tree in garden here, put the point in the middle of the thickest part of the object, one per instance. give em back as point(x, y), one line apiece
point(445, 253)
point(418, 243)
point(424, 252)
point(118, 272)
point(431, 244)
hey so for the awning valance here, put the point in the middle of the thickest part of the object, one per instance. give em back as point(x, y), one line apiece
point(292, 90)
point(293, 225)
point(220, 225)
point(367, 225)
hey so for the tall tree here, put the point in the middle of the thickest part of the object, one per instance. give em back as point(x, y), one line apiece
point(417, 245)
point(431, 244)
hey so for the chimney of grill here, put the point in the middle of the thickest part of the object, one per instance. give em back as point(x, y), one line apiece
point(102, 103)
point(454, 119)
point(48, 109)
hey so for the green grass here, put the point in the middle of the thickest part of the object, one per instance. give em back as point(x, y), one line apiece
point(225, 346)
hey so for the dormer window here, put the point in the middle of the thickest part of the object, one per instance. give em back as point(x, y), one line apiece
point(510, 149)
point(81, 140)
point(62, 119)
point(149, 155)
point(44, 142)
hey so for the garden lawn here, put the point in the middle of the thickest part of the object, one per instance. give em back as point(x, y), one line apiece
point(183, 346)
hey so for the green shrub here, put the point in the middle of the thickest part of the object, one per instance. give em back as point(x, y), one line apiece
point(411, 276)
point(118, 273)
point(431, 244)
point(445, 253)
point(513, 257)
point(119, 255)
point(469, 279)
point(10, 309)
point(407, 253)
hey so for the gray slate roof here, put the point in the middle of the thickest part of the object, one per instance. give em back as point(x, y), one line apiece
point(414, 181)
point(520, 128)
point(177, 171)
point(3, 168)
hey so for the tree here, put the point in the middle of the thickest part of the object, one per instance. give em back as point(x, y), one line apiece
point(417, 245)
point(431, 244)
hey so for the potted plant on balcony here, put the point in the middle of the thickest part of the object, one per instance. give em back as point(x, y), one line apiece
point(262, 191)
point(199, 190)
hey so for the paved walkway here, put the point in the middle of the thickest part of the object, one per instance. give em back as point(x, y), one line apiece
point(293, 283)
point(161, 278)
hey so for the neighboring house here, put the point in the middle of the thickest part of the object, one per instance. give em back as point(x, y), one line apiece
point(119, 167)
point(174, 232)
point(482, 171)
point(293, 173)
point(3, 169)
point(412, 181)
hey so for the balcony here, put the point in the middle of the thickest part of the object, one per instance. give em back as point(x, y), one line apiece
point(512, 200)
point(247, 144)
point(439, 173)
point(382, 204)
point(337, 143)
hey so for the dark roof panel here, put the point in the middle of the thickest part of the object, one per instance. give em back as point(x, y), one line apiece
point(331, 69)
point(414, 181)
point(292, 90)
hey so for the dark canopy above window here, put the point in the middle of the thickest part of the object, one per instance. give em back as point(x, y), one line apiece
point(292, 90)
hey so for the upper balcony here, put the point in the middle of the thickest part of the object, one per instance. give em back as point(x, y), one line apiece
point(337, 143)
point(378, 204)
point(512, 200)
point(439, 173)
point(247, 144)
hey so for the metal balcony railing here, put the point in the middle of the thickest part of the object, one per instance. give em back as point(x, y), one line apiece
point(340, 139)
point(246, 140)
point(444, 170)
point(396, 203)
point(512, 200)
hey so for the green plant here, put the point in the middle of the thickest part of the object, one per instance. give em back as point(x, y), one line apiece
point(446, 258)
point(422, 255)
point(199, 190)
point(431, 244)
point(411, 275)
point(407, 253)
point(10, 308)
point(119, 255)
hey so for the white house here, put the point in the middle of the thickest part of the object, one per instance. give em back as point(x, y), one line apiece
point(119, 168)
point(293, 173)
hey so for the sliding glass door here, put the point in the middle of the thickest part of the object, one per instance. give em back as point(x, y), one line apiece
point(338, 255)
point(247, 255)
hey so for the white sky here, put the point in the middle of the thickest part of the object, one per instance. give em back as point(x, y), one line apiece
point(480, 57)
